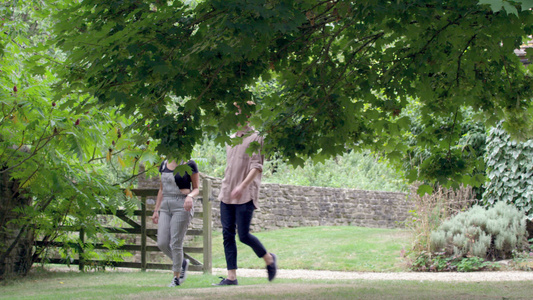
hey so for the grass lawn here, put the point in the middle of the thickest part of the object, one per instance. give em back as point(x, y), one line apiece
point(339, 248)
point(42, 284)
point(320, 248)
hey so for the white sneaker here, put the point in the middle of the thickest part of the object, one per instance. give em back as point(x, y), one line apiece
point(175, 282)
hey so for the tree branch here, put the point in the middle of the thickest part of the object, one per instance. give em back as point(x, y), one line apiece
point(461, 55)
point(30, 156)
point(27, 179)
point(213, 77)
point(133, 176)
point(13, 245)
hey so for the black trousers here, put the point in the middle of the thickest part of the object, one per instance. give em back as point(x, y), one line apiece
point(238, 217)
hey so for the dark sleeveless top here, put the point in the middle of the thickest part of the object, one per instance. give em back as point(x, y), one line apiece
point(182, 181)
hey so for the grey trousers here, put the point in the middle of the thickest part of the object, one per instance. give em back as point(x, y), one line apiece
point(172, 227)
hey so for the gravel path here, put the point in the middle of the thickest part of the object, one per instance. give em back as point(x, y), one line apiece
point(314, 274)
point(426, 276)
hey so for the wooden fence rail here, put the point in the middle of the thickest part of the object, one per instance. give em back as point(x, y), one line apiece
point(145, 233)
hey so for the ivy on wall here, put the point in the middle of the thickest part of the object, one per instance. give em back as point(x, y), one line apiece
point(509, 171)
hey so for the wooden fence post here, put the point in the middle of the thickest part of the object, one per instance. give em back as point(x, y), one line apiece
point(206, 194)
point(81, 261)
point(143, 233)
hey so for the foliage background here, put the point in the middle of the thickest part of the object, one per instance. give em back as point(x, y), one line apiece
point(509, 171)
point(355, 170)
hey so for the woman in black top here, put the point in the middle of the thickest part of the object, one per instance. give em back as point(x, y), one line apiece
point(173, 212)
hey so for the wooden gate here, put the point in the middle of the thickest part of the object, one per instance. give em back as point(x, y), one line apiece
point(145, 233)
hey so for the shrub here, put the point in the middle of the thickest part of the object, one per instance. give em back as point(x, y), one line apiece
point(492, 233)
point(430, 210)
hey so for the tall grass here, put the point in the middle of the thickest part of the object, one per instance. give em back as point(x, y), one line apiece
point(431, 210)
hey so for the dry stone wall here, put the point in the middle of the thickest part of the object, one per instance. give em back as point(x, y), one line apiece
point(283, 206)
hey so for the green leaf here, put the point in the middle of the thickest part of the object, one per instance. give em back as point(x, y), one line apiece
point(424, 189)
point(510, 8)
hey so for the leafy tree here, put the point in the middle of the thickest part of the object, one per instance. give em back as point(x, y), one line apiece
point(461, 162)
point(345, 70)
point(58, 164)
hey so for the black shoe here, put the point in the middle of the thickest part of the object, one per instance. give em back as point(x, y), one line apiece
point(225, 281)
point(272, 268)
point(184, 268)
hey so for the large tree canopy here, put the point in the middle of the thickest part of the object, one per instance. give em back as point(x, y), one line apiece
point(341, 73)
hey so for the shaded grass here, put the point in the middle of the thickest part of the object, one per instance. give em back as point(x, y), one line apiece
point(42, 284)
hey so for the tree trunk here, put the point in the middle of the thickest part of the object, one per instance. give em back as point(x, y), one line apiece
point(529, 228)
point(16, 240)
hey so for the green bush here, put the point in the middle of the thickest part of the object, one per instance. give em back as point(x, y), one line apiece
point(493, 233)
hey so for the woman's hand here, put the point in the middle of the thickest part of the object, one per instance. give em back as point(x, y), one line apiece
point(155, 217)
point(187, 205)
point(237, 192)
